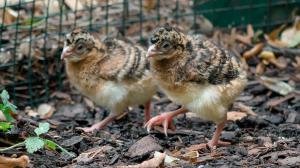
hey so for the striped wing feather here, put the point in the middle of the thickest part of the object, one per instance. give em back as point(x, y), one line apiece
point(207, 62)
point(123, 61)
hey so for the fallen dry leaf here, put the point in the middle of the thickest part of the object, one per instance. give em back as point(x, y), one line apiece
point(156, 162)
point(168, 159)
point(89, 155)
point(7, 162)
point(245, 108)
point(291, 36)
point(273, 38)
point(45, 111)
point(276, 85)
point(235, 115)
point(190, 156)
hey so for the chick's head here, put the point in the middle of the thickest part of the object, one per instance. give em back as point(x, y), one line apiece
point(77, 46)
point(165, 43)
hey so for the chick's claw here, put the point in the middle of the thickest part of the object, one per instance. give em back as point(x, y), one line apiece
point(166, 120)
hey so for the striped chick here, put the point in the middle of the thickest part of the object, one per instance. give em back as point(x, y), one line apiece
point(111, 72)
point(196, 73)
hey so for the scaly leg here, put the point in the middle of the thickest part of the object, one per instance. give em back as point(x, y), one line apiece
point(212, 144)
point(165, 119)
point(102, 124)
point(147, 111)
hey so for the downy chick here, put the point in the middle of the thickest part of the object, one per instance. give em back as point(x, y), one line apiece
point(196, 73)
point(111, 73)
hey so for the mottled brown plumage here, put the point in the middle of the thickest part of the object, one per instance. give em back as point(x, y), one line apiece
point(111, 72)
point(197, 59)
point(196, 73)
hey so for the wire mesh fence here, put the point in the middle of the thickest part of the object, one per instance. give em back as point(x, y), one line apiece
point(32, 31)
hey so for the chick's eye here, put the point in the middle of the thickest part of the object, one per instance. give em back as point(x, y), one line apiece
point(166, 45)
point(80, 47)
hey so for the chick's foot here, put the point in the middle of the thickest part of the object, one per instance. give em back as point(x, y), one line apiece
point(165, 119)
point(213, 143)
point(100, 125)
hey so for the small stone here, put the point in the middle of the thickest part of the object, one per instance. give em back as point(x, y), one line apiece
point(252, 122)
point(274, 119)
point(293, 118)
point(264, 141)
point(242, 151)
point(229, 136)
point(235, 157)
point(143, 146)
point(290, 161)
point(248, 139)
point(72, 141)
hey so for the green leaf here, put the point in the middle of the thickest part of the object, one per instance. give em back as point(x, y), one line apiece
point(7, 115)
point(50, 144)
point(33, 144)
point(43, 128)
point(12, 107)
point(5, 126)
point(4, 96)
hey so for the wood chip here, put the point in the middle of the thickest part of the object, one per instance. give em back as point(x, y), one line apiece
point(253, 51)
point(156, 162)
point(6, 162)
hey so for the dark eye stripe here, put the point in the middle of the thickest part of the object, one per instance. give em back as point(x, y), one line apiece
point(68, 41)
point(78, 40)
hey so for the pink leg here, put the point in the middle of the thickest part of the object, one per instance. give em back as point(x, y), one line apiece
point(101, 124)
point(164, 119)
point(212, 144)
point(147, 111)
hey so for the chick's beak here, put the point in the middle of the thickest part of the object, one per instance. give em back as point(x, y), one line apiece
point(152, 51)
point(66, 53)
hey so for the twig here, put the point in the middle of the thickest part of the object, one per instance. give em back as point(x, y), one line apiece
point(13, 146)
point(283, 51)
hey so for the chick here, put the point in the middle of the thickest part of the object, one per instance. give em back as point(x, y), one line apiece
point(196, 73)
point(110, 72)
